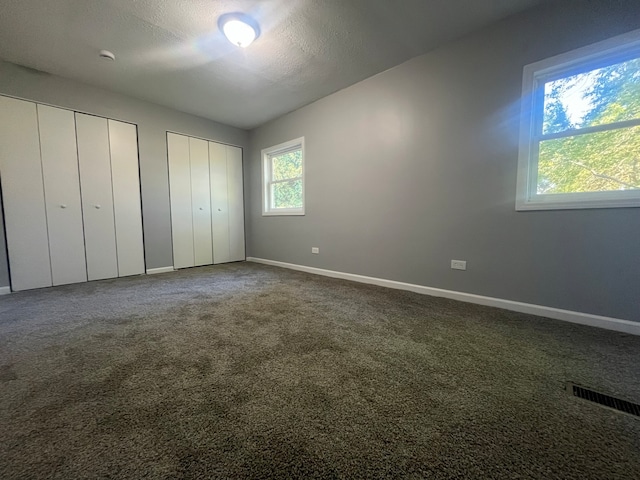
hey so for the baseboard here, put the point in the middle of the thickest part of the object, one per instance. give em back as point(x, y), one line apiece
point(5, 290)
point(609, 323)
point(153, 271)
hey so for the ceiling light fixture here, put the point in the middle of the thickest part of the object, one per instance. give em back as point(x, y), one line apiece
point(239, 28)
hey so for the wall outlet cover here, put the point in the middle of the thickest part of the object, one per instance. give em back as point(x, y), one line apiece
point(315, 250)
point(459, 264)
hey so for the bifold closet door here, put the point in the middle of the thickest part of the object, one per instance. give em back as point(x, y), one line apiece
point(207, 206)
point(62, 194)
point(227, 203)
point(180, 193)
point(235, 198)
point(23, 195)
point(200, 201)
point(219, 203)
point(97, 196)
point(123, 142)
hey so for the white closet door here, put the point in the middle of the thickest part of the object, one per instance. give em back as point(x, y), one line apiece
point(235, 195)
point(23, 195)
point(62, 194)
point(180, 193)
point(201, 200)
point(219, 203)
point(123, 141)
point(97, 196)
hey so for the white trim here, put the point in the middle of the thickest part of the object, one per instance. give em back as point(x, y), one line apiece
point(5, 290)
point(267, 211)
point(609, 323)
point(620, 45)
point(283, 212)
point(153, 271)
point(534, 76)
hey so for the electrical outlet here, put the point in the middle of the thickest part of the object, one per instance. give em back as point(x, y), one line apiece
point(315, 250)
point(459, 264)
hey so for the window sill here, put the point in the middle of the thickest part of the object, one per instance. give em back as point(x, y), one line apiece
point(569, 204)
point(283, 213)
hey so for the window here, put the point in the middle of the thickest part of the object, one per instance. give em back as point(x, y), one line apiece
point(283, 179)
point(580, 130)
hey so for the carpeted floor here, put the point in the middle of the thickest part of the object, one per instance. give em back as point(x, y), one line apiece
point(249, 371)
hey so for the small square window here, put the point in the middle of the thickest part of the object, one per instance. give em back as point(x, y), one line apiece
point(580, 130)
point(283, 179)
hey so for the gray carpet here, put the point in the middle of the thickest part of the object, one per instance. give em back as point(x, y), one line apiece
point(249, 371)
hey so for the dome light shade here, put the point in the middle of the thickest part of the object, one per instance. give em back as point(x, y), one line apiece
point(239, 33)
point(240, 29)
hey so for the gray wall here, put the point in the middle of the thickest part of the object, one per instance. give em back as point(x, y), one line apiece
point(417, 166)
point(153, 122)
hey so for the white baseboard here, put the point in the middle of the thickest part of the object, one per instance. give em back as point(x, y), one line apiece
point(5, 290)
point(619, 325)
point(153, 271)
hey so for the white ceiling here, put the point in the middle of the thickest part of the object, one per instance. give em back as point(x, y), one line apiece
point(170, 51)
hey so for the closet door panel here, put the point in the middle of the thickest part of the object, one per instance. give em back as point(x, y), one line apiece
point(97, 196)
point(200, 198)
point(236, 204)
point(219, 203)
point(23, 195)
point(180, 192)
point(62, 194)
point(123, 141)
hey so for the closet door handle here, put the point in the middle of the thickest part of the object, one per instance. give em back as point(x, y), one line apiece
point(63, 205)
point(219, 209)
point(201, 208)
point(97, 207)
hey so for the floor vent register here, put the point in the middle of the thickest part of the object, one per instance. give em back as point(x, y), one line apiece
point(604, 399)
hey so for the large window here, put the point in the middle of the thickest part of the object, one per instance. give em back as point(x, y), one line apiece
point(580, 131)
point(283, 179)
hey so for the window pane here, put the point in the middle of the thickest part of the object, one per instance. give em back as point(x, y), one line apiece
point(287, 165)
point(287, 194)
point(595, 162)
point(597, 97)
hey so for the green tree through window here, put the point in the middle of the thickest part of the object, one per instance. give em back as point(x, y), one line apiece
point(587, 143)
point(286, 181)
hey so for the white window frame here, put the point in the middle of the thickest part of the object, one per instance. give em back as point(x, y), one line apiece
point(535, 75)
point(267, 153)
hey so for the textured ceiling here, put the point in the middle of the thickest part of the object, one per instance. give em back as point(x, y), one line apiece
point(170, 51)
